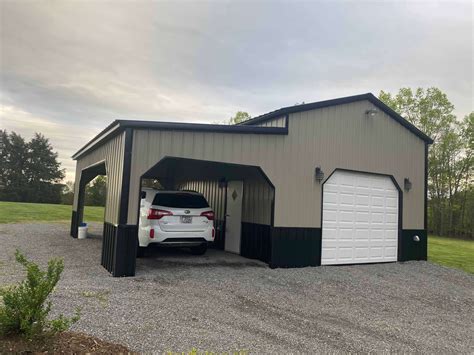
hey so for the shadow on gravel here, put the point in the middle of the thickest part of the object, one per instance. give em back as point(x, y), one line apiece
point(170, 258)
point(169, 264)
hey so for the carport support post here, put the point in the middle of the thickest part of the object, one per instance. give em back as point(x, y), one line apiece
point(119, 246)
point(78, 214)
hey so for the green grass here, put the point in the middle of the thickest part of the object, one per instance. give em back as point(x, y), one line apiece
point(15, 212)
point(451, 252)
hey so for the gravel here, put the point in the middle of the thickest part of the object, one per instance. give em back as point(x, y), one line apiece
point(223, 302)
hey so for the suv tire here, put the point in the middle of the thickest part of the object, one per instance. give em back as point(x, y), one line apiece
point(199, 250)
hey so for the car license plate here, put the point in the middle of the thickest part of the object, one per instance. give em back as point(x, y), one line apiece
point(186, 219)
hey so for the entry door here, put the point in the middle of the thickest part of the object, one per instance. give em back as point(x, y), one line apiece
point(360, 219)
point(233, 220)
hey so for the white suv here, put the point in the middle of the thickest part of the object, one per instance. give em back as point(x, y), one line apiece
point(175, 218)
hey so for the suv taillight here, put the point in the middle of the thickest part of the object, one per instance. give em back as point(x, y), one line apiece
point(157, 214)
point(209, 215)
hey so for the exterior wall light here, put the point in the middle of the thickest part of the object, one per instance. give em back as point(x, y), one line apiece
point(371, 112)
point(407, 184)
point(318, 174)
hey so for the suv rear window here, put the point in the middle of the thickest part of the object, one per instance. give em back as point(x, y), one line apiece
point(180, 200)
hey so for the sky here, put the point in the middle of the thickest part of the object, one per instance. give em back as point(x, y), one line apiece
point(68, 69)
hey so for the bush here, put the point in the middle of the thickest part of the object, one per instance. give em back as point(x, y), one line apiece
point(25, 307)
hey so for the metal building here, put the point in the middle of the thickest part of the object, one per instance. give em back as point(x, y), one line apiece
point(342, 181)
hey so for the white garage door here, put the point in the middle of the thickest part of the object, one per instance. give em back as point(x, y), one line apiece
point(360, 219)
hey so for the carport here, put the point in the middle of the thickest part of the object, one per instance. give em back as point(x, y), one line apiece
point(331, 182)
point(241, 196)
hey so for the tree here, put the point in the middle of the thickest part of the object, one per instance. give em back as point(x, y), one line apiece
point(429, 110)
point(239, 117)
point(14, 157)
point(67, 194)
point(450, 157)
point(30, 170)
point(96, 191)
point(43, 165)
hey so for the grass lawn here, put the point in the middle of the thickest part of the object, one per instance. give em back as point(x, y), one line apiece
point(14, 212)
point(451, 252)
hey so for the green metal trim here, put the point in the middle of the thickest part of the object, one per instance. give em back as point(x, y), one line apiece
point(411, 249)
point(295, 247)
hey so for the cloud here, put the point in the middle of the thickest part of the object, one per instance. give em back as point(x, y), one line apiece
point(79, 65)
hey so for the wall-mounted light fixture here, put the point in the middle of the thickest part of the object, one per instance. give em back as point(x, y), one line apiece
point(371, 112)
point(407, 184)
point(318, 174)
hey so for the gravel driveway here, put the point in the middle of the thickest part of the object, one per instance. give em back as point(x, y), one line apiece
point(223, 302)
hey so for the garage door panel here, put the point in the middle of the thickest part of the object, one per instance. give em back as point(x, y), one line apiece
point(360, 219)
point(331, 233)
point(331, 197)
point(345, 233)
point(361, 253)
point(345, 253)
point(361, 234)
point(391, 252)
point(346, 199)
point(391, 218)
point(376, 217)
point(330, 244)
point(377, 201)
point(331, 188)
point(346, 216)
point(331, 216)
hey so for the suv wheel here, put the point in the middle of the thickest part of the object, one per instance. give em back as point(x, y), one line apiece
point(199, 250)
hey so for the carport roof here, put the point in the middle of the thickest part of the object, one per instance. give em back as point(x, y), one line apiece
point(118, 126)
point(246, 127)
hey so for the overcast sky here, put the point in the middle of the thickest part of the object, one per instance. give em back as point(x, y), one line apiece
point(69, 68)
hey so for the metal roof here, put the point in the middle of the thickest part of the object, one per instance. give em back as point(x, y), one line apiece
point(246, 127)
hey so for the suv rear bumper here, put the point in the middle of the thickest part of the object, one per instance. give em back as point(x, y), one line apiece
point(176, 239)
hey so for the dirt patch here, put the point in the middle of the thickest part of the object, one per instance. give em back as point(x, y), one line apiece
point(67, 342)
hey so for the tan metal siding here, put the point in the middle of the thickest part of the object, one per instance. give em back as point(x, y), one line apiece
point(333, 137)
point(343, 137)
point(112, 153)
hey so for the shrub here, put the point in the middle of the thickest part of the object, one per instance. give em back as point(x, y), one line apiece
point(25, 306)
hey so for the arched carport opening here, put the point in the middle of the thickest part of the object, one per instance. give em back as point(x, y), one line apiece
point(221, 183)
point(87, 175)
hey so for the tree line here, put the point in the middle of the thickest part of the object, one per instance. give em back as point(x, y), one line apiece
point(450, 158)
point(30, 171)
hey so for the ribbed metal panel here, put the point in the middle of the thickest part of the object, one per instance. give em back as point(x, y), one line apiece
point(256, 202)
point(332, 137)
point(112, 153)
point(275, 122)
